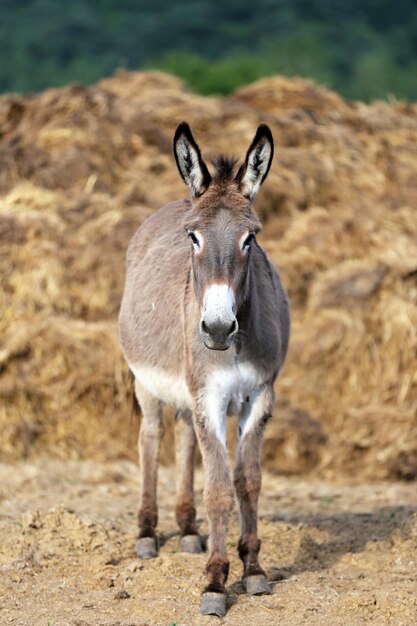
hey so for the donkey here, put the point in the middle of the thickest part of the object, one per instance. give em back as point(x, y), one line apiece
point(204, 326)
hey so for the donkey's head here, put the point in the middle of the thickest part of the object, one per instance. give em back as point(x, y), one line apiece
point(222, 228)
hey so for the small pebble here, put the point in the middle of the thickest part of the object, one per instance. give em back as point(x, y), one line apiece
point(134, 567)
point(122, 595)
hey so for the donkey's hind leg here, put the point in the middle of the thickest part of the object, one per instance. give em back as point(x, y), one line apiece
point(185, 443)
point(219, 501)
point(148, 444)
point(247, 481)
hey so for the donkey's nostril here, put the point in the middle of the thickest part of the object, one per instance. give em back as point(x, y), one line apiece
point(219, 328)
point(218, 334)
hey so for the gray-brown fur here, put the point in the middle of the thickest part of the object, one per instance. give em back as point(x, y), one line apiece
point(220, 291)
point(186, 442)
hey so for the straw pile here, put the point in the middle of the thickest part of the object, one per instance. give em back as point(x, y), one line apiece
point(80, 169)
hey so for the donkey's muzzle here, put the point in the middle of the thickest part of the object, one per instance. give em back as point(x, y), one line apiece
point(218, 334)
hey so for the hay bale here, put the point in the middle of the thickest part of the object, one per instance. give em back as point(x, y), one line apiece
point(81, 168)
point(64, 384)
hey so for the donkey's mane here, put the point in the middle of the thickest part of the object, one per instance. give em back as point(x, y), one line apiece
point(224, 167)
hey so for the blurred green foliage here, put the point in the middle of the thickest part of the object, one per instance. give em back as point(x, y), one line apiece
point(364, 49)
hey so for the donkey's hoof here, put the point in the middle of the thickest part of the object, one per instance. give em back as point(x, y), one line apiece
point(213, 604)
point(146, 548)
point(256, 585)
point(191, 544)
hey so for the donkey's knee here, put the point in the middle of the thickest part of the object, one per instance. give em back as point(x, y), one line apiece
point(247, 482)
point(219, 502)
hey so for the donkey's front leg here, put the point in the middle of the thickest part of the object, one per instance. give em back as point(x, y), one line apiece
point(219, 500)
point(149, 439)
point(247, 480)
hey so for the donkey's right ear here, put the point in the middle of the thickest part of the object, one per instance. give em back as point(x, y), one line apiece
point(191, 166)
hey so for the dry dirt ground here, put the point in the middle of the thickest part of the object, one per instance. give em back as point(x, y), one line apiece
point(335, 554)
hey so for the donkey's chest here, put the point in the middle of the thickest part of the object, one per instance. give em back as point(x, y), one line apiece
point(225, 389)
point(228, 389)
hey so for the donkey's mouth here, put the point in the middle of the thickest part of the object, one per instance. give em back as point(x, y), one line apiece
point(215, 345)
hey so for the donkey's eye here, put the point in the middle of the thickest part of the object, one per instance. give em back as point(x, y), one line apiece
point(247, 241)
point(194, 239)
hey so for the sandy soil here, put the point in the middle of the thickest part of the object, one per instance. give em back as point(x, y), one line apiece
point(335, 554)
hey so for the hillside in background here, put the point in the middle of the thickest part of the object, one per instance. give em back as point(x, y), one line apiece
point(81, 168)
point(362, 49)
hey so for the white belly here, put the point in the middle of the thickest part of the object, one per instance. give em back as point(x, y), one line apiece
point(166, 387)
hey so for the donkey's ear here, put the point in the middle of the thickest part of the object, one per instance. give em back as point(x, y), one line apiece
point(189, 161)
point(258, 160)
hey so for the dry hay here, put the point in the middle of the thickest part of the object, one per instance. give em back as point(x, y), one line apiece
point(80, 169)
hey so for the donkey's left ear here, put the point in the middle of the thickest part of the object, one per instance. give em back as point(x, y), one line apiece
point(258, 160)
point(190, 163)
